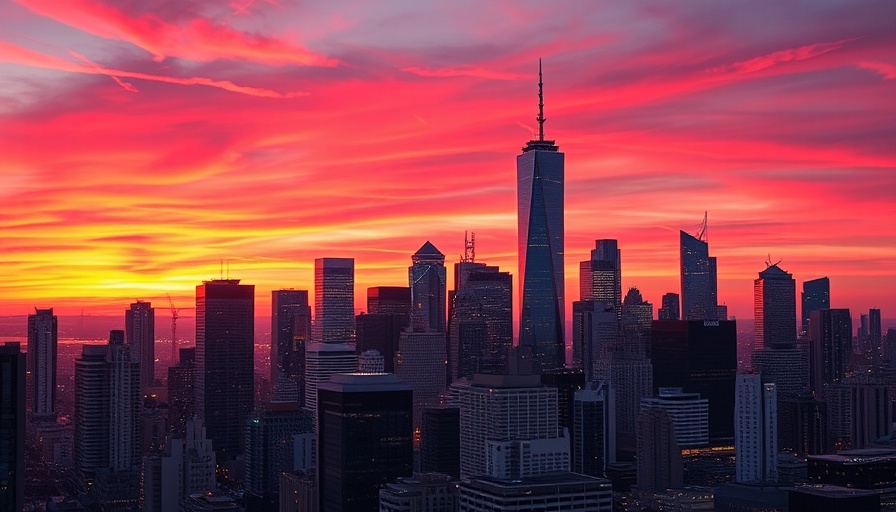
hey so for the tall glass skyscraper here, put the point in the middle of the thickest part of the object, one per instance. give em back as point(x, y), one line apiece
point(334, 300)
point(699, 286)
point(139, 331)
point(816, 296)
point(427, 280)
point(774, 308)
point(225, 357)
point(290, 333)
point(540, 222)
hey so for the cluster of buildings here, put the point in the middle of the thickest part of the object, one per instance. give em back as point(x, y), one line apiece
point(425, 403)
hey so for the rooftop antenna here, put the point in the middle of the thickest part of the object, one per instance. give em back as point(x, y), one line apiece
point(469, 248)
point(768, 262)
point(540, 117)
point(701, 235)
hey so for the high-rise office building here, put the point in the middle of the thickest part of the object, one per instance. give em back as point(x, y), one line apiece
point(660, 466)
point(225, 356)
point(323, 360)
point(593, 430)
point(124, 404)
point(540, 221)
point(774, 308)
point(139, 330)
point(699, 285)
point(91, 439)
point(334, 300)
point(671, 309)
point(290, 332)
point(689, 413)
point(699, 356)
point(380, 332)
point(481, 325)
point(788, 369)
point(365, 439)
point(42, 350)
point(874, 332)
point(755, 430)
point(180, 392)
point(270, 438)
point(440, 441)
point(428, 282)
point(389, 300)
point(830, 347)
point(509, 427)
point(600, 278)
point(12, 427)
point(871, 412)
point(420, 362)
point(816, 296)
point(596, 332)
point(567, 381)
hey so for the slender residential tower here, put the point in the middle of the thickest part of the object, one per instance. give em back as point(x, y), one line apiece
point(42, 350)
point(540, 222)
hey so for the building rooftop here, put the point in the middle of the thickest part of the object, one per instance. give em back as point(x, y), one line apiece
point(364, 382)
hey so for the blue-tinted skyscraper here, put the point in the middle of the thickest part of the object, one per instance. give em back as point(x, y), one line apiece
point(699, 286)
point(540, 222)
point(334, 300)
point(427, 280)
point(816, 296)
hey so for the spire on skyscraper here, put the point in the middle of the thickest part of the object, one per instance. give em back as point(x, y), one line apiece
point(540, 117)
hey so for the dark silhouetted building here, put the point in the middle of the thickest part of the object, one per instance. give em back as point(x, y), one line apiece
point(180, 392)
point(224, 392)
point(12, 427)
point(334, 300)
point(871, 412)
point(389, 300)
point(547, 492)
point(91, 439)
point(671, 309)
point(699, 284)
point(593, 430)
point(481, 324)
point(816, 296)
point(42, 357)
point(660, 466)
point(139, 331)
point(428, 283)
point(774, 309)
point(832, 498)
point(699, 356)
point(540, 185)
point(567, 381)
point(440, 441)
point(270, 439)
point(380, 332)
point(830, 347)
point(364, 439)
point(874, 330)
point(290, 333)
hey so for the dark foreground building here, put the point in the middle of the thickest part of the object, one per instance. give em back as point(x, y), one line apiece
point(365, 438)
point(699, 356)
point(12, 427)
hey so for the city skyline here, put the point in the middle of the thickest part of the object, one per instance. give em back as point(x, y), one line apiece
point(135, 161)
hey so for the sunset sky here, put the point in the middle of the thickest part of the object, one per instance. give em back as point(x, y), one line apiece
point(143, 142)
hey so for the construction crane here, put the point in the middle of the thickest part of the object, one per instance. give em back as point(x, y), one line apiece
point(174, 317)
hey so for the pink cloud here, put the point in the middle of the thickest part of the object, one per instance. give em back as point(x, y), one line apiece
point(19, 55)
point(790, 55)
point(888, 71)
point(198, 39)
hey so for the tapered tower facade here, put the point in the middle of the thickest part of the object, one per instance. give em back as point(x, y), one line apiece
point(540, 222)
point(699, 284)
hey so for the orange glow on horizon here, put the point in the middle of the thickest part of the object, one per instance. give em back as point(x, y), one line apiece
point(141, 145)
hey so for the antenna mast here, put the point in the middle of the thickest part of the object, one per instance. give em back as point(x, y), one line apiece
point(701, 235)
point(469, 248)
point(540, 117)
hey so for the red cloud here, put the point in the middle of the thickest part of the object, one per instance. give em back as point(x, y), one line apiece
point(793, 54)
